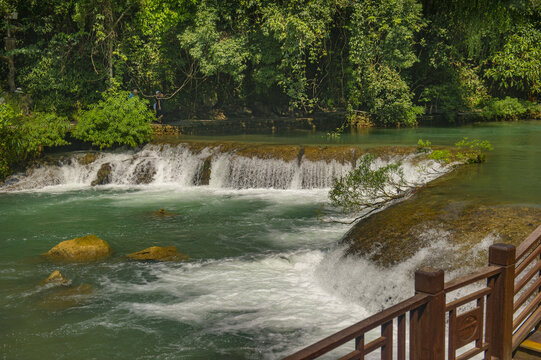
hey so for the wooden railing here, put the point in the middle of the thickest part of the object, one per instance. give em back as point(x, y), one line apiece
point(527, 290)
point(499, 310)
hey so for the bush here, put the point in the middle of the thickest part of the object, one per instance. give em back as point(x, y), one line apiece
point(23, 137)
point(472, 151)
point(508, 109)
point(115, 120)
point(423, 146)
point(8, 140)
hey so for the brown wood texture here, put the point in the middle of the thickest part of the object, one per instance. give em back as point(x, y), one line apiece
point(429, 330)
point(471, 278)
point(358, 329)
point(468, 298)
point(428, 307)
point(528, 276)
point(533, 256)
point(401, 337)
point(387, 348)
point(527, 311)
point(528, 293)
point(499, 317)
point(526, 328)
point(529, 243)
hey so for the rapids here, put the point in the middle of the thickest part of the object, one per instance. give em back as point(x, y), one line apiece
point(266, 276)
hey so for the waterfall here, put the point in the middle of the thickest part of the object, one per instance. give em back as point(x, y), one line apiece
point(184, 166)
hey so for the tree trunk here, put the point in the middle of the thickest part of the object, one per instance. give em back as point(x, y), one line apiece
point(11, 73)
point(109, 24)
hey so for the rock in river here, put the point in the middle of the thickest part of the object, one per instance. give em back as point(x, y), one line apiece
point(83, 249)
point(157, 253)
point(65, 298)
point(56, 278)
point(456, 226)
point(104, 175)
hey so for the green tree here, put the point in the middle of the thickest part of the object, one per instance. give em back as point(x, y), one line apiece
point(23, 138)
point(518, 65)
point(381, 46)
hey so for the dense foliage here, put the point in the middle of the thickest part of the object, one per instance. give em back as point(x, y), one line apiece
point(115, 120)
point(372, 186)
point(23, 137)
point(390, 59)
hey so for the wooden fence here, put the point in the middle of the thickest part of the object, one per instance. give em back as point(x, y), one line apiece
point(500, 308)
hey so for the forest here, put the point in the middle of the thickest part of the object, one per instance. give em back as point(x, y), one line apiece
point(384, 62)
point(390, 59)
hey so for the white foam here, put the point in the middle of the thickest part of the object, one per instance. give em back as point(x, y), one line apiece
point(178, 166)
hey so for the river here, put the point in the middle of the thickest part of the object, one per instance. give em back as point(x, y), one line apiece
point(265, 277)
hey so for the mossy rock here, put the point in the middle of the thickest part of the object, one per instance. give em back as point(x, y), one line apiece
point(88, 158)
point(281, 152)
point(341, 154)
point(55, 279)
point(399, 232)
point(66, 298)
point(104, 175)
point(157, 253)
point(82, 249)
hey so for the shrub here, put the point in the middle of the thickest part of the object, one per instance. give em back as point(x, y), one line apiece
point(23, 137)
point(423, 146)
point(443, 156)
point(508, 109)
point(115, 120)
point(472, 151)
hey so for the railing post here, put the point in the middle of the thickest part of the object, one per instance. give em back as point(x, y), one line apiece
point(427, 332)
point(499, 322)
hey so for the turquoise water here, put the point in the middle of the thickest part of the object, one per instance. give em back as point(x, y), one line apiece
point(265, 275)
point(511, 174)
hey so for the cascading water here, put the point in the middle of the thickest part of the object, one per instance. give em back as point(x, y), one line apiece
point(265, 278)
point(178, 165)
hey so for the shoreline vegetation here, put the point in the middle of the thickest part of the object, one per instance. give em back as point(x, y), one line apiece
point(391, 63)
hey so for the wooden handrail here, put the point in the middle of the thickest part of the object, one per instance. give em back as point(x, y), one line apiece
point(493, 335)
point(355, 330)
point(471, 278)
point(529, 243)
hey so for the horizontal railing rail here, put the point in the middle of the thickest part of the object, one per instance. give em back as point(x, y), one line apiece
point(527, 289)
point(494, 316)
point(357, 331)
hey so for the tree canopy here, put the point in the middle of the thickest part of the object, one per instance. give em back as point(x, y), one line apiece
point(393, 59)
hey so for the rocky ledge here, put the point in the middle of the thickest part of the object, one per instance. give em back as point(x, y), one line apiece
point(433, 217)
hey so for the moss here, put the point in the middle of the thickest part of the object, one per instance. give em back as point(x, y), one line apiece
point(83, 249)
point(342, 154)
point(88, 158)
point(157, 253)
point(399, 232)
point(56, 278)
point(282, 152)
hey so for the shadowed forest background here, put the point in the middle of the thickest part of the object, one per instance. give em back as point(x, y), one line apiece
point(382, 63)
point(394, 59)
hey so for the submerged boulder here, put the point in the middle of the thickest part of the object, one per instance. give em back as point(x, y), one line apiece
point(157, 253)
point(56, 278)
point(83, 249)
point(66, 298)
point(104, 175)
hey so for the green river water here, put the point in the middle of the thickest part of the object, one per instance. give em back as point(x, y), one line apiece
point(265, 276)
